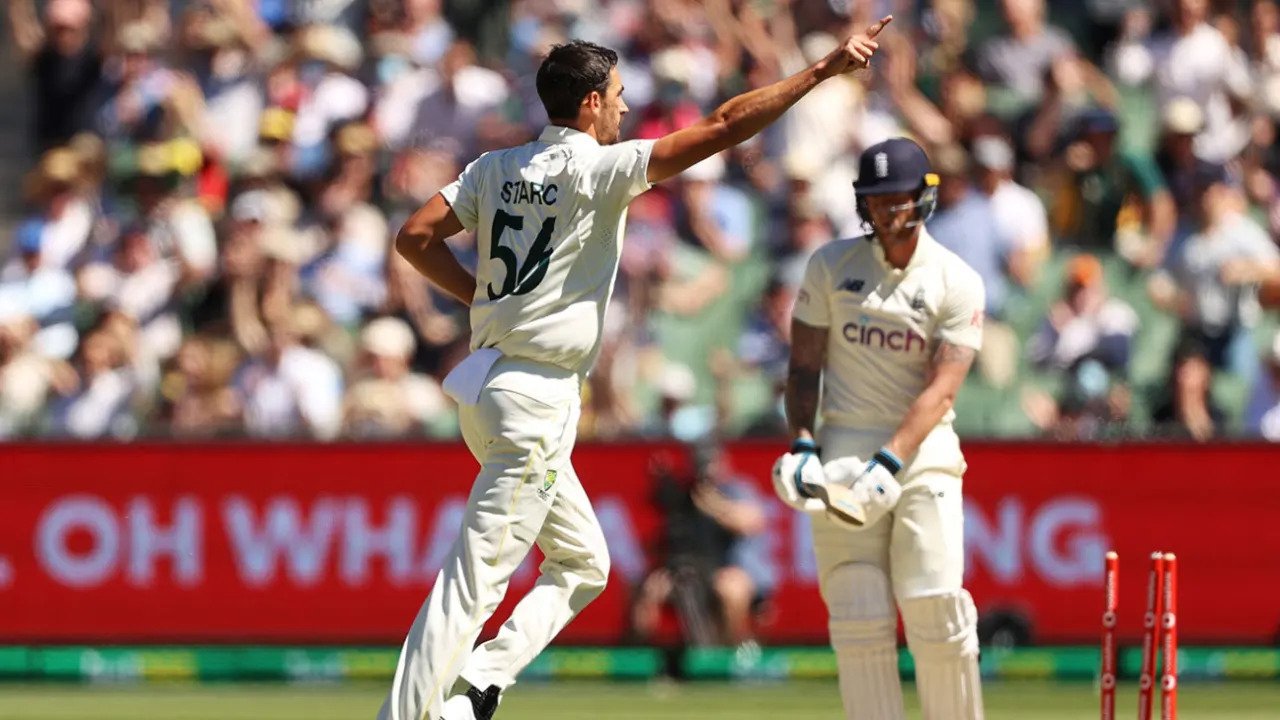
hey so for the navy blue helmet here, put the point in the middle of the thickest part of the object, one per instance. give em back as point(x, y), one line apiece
point(897, 165)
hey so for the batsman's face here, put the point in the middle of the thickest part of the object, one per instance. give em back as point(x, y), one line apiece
point(891, 213)
point(610, 110)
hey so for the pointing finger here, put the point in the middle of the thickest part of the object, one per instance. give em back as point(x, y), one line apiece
point(874, 30)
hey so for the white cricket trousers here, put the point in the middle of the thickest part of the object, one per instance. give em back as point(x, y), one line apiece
point(522, 432)
point(912, 559)
point(920, 546)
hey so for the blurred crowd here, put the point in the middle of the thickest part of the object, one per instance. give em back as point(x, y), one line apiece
point(214, 184)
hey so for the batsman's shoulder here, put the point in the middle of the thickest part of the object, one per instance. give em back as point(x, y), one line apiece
point(957, 273)
point(842, 250)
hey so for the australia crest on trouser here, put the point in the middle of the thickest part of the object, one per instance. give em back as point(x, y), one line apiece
point(548, 482)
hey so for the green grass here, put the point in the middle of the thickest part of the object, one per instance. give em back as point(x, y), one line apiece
point(588, 701)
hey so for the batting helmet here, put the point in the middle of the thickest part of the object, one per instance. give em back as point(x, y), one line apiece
point(897, 165)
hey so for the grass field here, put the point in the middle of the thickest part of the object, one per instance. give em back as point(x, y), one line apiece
point(1027, 700)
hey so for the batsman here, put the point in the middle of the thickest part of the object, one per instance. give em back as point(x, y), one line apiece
point(884, 330)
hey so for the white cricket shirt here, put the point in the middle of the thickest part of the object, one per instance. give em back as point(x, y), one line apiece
point(885, 325)
point(548, 217)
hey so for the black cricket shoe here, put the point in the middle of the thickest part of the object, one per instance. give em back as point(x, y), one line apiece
point(484, 703)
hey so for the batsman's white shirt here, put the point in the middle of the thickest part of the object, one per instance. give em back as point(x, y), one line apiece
point(885, 324)
point(548, 217)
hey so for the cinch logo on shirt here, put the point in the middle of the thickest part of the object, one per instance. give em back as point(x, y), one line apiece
point(864, 332)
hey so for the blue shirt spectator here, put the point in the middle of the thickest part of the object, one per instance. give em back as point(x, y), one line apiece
point(966, 225)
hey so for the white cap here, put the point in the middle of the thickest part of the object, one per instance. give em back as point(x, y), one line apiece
point(677, 382)
point(388, 337)
point(993, 153)
point(251, 206)
point(333, 44)
point(673, 64)
point(1182, 116)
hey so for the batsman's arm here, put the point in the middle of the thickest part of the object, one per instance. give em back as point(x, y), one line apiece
point(949, 367)
point(804, 377)
point(747, 114)
point(421, 242)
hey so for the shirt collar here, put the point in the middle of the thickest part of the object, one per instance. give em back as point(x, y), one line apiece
point(560, 134)
point(924, 246)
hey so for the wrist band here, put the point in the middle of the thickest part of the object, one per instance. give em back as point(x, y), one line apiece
point(802, 445)
point(890, 461)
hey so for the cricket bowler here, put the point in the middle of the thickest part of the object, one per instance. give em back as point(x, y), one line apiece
point(548, 219)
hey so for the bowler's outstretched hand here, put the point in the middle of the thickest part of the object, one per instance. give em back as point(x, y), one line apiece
point(855, 53)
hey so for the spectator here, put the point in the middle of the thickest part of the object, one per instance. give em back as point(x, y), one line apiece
point(347, 277)
point(1263, 416)
point(715, 570)
point(1018, 61)
point(65, 63)
point(1087, 336)
point(1221, 83)
point(1085, 324)
point(1182, 120)
point(962, 97)
point(27, 378)
point(198, 400)
point(97, 401)
point(328, 94)
point(808, 129)
point(61, 217)
point(265, 285)
point(145, 99)
point(1188, 410)
point(1072, 86)
point(713, 215)
point(1112, 199)
point(444, 110)
point(675, 415)
point(225, 70)
point(141, 284)
point(765, 347)
point(46, 293)
point(1210, 282)
point(178, 226)
point(390, 400)
point(427, 31)
point(1019, 214)
point(289, 390)
point(807, 229)
point(766, 343)
point(1264, 54)
point(432, 314)
point(965, 223)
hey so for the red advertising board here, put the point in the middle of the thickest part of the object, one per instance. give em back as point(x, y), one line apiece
point(340, 543)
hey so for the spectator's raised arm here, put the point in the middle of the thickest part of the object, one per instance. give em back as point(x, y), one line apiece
point(745, 115)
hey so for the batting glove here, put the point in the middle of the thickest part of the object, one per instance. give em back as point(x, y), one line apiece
point(874, 483)
point(796, 470)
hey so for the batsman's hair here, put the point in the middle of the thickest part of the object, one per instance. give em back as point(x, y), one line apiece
point(571, 72)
